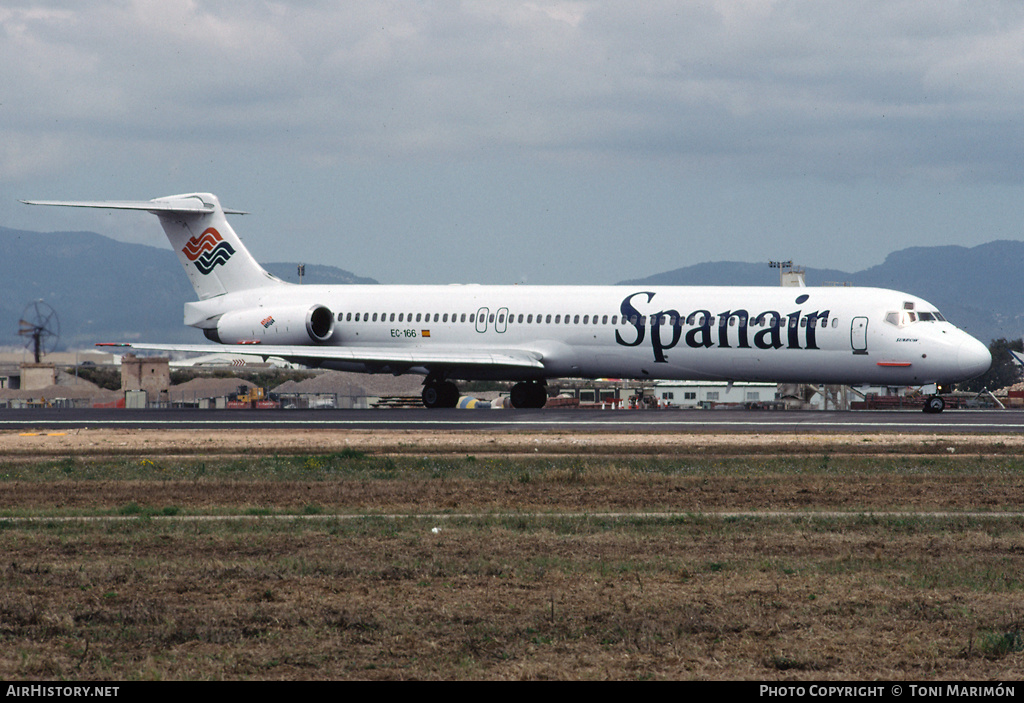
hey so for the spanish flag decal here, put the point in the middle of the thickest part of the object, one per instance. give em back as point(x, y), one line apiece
point(424, 333)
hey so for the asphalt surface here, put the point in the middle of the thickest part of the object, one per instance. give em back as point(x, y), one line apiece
point(741, 421)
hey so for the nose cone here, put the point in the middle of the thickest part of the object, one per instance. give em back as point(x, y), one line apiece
point(973, 358)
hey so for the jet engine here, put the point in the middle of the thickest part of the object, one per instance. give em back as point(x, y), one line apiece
point(299, 324)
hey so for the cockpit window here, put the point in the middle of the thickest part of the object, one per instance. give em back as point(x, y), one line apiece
point(905, 317)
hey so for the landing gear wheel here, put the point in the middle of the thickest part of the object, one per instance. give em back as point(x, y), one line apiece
point(934, 404)
point(443, 394)
point(449, 394)
point(528, 395)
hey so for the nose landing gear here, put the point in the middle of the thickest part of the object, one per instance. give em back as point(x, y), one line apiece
point(936, 403)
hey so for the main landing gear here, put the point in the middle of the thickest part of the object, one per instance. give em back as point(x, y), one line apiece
point(445, 394)
point(529, 394)
point(440, 394)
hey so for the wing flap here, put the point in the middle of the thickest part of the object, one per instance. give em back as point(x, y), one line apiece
point(372, 355)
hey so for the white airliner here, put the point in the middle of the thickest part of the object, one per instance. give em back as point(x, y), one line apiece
point(528, 334)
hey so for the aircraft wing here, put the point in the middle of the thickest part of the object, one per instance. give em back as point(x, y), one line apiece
point(385, 356)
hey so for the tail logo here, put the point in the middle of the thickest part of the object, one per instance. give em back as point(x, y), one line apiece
point(207, 251)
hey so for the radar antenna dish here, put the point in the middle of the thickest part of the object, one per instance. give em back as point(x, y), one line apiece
point(39, 324)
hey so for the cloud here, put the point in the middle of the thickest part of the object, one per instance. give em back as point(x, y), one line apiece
point(481, 130)
point(837, 89)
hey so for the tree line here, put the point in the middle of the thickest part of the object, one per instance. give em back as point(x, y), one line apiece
point(1004, 370)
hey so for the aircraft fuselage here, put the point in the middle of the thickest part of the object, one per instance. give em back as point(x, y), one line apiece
point(822, 335)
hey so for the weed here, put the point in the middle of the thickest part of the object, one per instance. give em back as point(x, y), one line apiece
point(994, 644)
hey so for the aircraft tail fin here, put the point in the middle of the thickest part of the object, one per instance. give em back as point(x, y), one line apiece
point(213, 256)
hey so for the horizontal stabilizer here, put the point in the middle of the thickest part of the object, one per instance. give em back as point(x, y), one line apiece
point(174, 204)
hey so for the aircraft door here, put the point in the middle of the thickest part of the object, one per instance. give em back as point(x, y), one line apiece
point(501, 321)
point(481, 320)
point(859, 335)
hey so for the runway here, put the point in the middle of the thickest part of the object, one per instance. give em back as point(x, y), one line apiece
point(731, 421)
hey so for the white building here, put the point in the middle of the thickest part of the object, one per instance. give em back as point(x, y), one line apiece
point(706, 394)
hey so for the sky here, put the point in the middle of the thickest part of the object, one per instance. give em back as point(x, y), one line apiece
point(542, 142)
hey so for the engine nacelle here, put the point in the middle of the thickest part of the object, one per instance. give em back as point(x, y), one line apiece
point(300, 324)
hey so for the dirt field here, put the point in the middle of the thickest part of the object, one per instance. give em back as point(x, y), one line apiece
point(356, 555)
point(186, 442)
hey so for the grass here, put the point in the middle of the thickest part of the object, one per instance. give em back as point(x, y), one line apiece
point(529, 577)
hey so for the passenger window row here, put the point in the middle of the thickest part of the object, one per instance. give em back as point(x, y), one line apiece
point(471, 318)
point(671, 320)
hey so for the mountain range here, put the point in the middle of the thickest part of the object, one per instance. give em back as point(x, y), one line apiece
point(105, 290)
point(973, 287)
